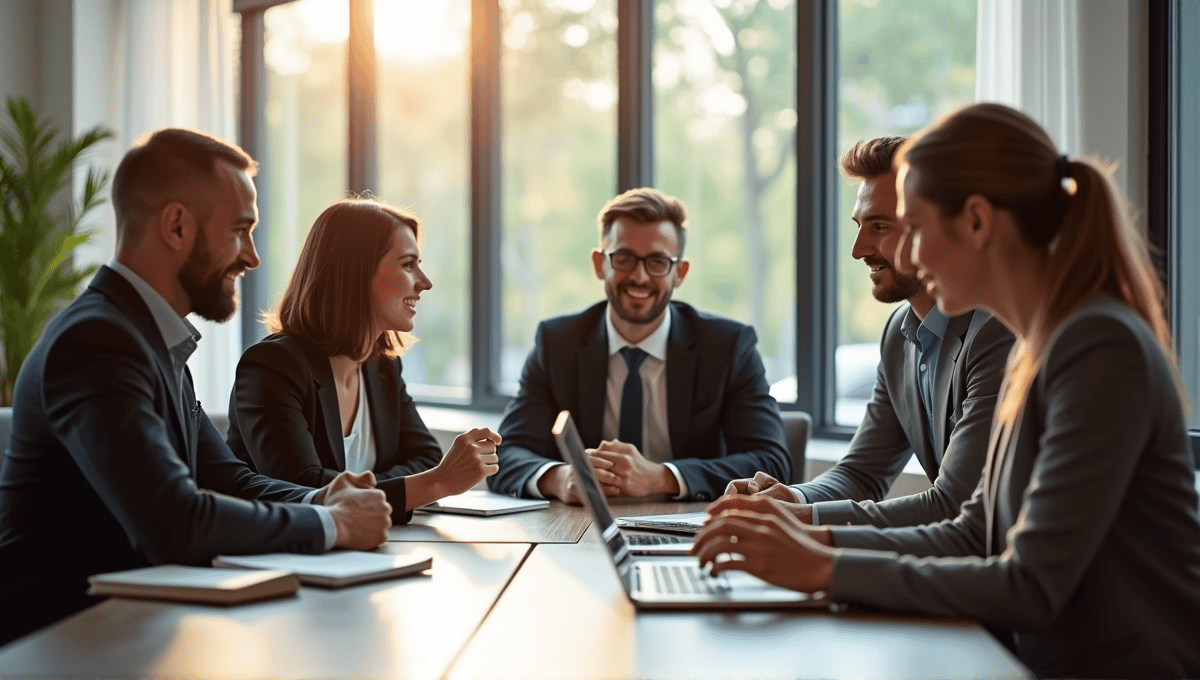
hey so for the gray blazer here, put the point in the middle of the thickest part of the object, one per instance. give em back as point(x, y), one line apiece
point(970, 368)
point(1082, 537)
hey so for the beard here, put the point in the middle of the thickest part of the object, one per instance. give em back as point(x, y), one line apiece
point(624, 313)
point(204, 283)
point(901, 288)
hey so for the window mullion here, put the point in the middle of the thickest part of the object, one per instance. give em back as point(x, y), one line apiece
point(816, 198)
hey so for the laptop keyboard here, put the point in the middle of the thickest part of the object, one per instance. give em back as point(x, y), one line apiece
point(648, 539)
point(686, 579)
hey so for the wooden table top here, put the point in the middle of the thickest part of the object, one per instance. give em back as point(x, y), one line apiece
point(404, 628)
point(497, 609)
point(560, 523)
point(565, 615)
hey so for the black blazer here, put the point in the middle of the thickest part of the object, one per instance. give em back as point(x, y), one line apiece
point(284, 419)
point(103, 474)
point(722, 420)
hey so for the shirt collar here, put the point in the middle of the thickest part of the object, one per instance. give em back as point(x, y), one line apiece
point(175, 329)
point(654, 344)
point(935, 322)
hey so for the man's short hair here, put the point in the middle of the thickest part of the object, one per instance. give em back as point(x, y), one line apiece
point(870, 158)
point(161, 167)
point(645, 205)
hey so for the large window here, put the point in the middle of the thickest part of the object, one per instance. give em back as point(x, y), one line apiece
point(559, 93)
point(506, 124)
point(423, 136)
point(903, 63)
point(725, 120)
point(305, 161)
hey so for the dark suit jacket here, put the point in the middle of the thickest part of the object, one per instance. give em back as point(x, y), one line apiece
point(284, 419)
point(101, 475)
point(970, 368)
point(1082, 535)
point(722, 421)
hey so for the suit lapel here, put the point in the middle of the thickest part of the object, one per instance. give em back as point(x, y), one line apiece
point(380, 378)
point(592, 363)
point(327, 399)
point(681, 377)
point(997, 454)
point(948, 352)
point(116, 288)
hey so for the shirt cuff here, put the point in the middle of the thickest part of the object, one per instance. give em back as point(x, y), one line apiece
point(531, 487)
point(326, 520)
point(816, 519)
point(800, 497)
point(683, 487)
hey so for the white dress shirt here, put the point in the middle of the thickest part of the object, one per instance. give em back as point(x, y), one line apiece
point(656, 438)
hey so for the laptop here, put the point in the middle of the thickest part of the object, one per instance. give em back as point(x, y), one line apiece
point(664, 583)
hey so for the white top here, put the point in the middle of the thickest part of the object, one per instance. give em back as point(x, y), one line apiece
point(360, 443)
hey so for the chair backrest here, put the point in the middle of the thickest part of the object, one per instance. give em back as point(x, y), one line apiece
point(796, 427)
point(221, 422)
point(5, 431)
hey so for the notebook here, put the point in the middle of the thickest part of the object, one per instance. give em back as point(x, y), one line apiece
point(336, 568)
point(663, 583)
point(194, 584)
point(483, 503)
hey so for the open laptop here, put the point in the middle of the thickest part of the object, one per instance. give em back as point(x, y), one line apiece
point(665, 583)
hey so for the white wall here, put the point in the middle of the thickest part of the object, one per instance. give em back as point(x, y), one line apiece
point(18, 54)
point(1113, 39)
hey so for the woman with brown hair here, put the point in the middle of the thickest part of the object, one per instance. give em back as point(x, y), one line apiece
point(1081, 546)
point(324, 393)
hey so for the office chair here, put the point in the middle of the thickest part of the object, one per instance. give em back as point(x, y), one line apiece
point(796, 427)
point(5, 431)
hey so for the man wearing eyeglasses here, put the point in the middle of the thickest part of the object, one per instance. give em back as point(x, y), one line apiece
point(673, 402)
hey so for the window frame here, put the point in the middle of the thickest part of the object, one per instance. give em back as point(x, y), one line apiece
point(816, 177)
point(1174, 127)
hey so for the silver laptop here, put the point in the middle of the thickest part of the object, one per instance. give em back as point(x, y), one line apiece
point(664, 583)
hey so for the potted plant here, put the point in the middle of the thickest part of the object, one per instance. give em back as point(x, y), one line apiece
point(37, 232)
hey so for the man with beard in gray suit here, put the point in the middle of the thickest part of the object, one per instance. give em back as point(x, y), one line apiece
point(935, 393)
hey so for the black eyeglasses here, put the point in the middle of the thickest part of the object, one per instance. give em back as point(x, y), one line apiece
point(656, 265)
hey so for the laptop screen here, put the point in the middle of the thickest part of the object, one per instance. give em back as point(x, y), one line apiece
point(571, 448)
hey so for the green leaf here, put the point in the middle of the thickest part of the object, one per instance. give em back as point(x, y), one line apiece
point(37, 272)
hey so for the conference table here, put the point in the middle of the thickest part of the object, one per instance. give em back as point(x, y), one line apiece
point(529, 595)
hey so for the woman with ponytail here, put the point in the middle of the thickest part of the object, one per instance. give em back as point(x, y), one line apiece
point(1080, 548)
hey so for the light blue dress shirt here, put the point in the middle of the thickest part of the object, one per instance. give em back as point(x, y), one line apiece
point(927, 337)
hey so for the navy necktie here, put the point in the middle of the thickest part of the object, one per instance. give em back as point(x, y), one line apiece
point(631, 398)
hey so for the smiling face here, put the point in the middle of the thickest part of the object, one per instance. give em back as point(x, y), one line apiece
point(398, 283)
point(879, 233)
point(946, 263)
point(636, 297)
point(223, 249)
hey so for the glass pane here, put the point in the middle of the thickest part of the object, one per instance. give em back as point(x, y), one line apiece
point(305, 167)
point(1188, 206)
point(423, 156)
point(560, 91)
point(725, 119)
point(904, 63)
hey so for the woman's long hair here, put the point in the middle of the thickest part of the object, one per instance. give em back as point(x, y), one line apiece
point(328, 300)
point(1003, 155)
